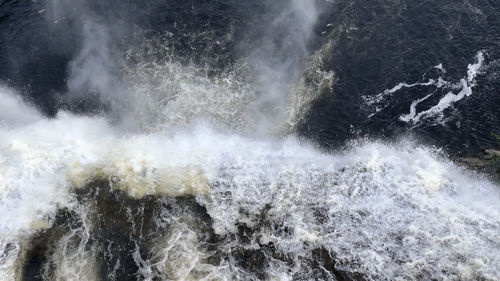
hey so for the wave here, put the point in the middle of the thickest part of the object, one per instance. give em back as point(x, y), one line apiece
point(385, 210)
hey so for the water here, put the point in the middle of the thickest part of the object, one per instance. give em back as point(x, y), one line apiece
point(219, 141)
point(464, 88)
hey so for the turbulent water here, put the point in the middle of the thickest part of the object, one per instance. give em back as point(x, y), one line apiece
point(227, 140)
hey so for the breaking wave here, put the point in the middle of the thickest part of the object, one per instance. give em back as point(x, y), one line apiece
point(191, 175)
point(382, 210)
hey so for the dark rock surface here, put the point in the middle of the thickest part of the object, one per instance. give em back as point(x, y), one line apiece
point(488, 163)
point(121, 226)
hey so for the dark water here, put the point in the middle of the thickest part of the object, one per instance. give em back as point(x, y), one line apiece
point(399, 41)
point(377, 45)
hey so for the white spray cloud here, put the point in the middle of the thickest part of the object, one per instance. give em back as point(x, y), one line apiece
point(94, 71)
point(279, 59)
point(13, 111)
point(264, 108)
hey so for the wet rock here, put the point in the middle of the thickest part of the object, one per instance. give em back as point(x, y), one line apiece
point(475, 162)
point(488, 163)
point(491, 153)
point(121, 230)
point(323, 258)
point(254, 261)
point(41, 246)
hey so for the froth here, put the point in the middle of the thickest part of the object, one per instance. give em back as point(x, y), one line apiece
point(385, 210)
point(437, 111)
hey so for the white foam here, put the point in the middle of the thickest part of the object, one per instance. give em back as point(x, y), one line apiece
point(384, 207)
point(445, 102)
point(386, 93)
point(74, 256)
point(474, 69)
point(389, 210)
point(440, 67)
point(167, 95)
point(178, 255)
point(464, 86)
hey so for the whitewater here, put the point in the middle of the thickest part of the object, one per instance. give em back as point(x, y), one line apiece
point(386, 210)
point(187, 176)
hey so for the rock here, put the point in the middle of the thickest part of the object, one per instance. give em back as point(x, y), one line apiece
point(475, 162)
point(491, 153)
point(489, 163)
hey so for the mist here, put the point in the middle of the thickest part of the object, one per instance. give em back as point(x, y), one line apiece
point(277, 55)
point(279, 59)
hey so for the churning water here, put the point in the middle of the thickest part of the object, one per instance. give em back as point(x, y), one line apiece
point(179, 155)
